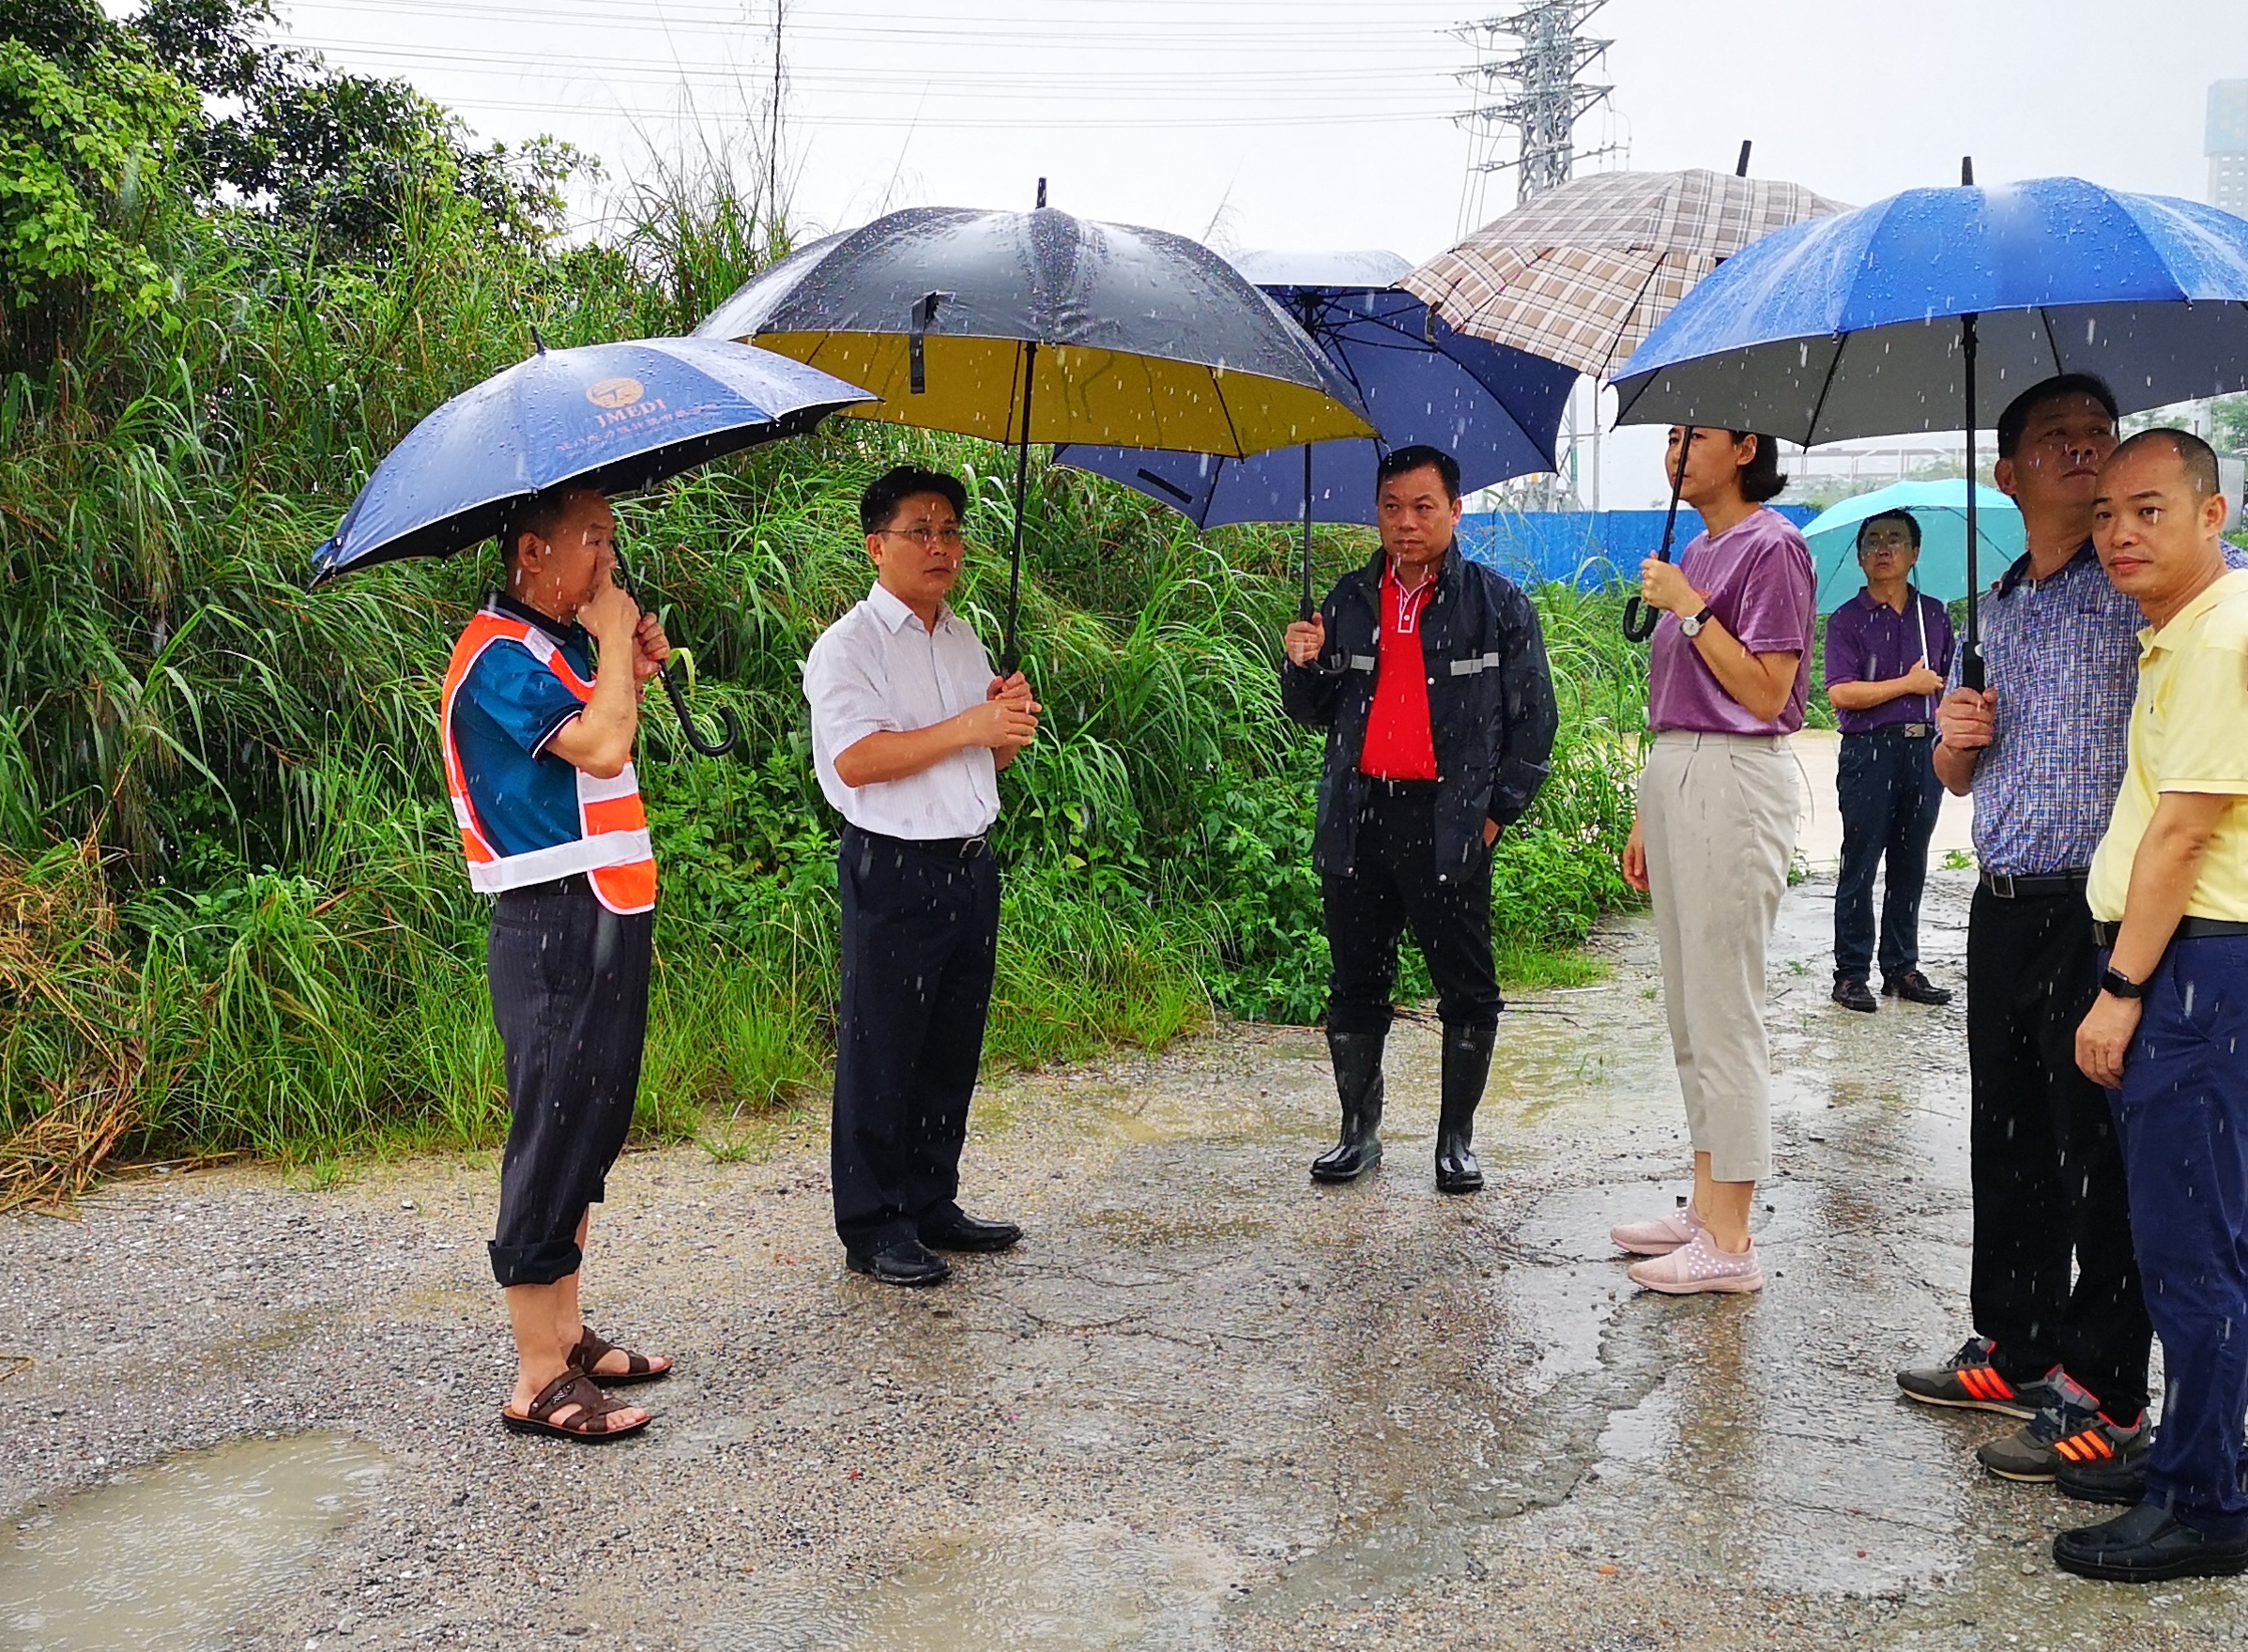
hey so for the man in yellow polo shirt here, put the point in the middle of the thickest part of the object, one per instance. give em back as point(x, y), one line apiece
point(2167, 1037)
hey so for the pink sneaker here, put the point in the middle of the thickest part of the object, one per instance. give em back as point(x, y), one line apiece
point(1698, 1265)
point(1661, 1236)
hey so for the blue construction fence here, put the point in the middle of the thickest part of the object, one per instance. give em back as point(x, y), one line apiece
point(1584, 548)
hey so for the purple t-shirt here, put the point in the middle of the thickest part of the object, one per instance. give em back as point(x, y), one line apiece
point(1761, 588)
point(1872, 642)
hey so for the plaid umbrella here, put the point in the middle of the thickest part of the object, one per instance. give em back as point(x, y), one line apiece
point(1581, 274)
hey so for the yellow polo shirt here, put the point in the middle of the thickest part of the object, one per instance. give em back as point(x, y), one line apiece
point(2189, 732)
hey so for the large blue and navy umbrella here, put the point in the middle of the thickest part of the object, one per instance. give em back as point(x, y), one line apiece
point(611, 417)
point(1495, 410)
point(1899, 316)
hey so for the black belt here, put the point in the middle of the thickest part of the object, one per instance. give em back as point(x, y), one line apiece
point(2035, 885)
point(1380, 786)
point(1902, 731)
point(943, 849)
point(2188, 928)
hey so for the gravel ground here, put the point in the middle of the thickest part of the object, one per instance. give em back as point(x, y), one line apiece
point(1205, 1405)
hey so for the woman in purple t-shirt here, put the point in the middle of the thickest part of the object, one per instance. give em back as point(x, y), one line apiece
point(1728, 674)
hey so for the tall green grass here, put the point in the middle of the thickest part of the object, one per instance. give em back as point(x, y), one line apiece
point(287, 936)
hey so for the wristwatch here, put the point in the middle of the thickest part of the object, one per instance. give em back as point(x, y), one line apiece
point(2117, 984)
point(1693, 627)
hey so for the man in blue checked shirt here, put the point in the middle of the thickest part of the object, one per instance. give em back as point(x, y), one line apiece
point(2041, 751)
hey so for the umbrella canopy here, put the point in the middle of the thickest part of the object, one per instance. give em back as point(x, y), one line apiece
point(1941, 509)
point(1851, 326)
point(1494, 409)
point(1037, 326)
point(1142, 339)
point(1582, 273)
point(612, 417)
point(1934, 309)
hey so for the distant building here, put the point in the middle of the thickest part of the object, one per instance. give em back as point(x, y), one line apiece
point(2227, 145)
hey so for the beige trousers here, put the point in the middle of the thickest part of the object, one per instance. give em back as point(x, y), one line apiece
point(1717, 813)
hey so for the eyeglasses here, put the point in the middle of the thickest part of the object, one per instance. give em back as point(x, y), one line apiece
point(950, 538)
point(1885, 541)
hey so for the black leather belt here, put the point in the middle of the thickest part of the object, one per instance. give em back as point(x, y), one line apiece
point(2035, 885)
point(1379, 787)
point(2189, 928)
point(943, 849)
point(1902, 730)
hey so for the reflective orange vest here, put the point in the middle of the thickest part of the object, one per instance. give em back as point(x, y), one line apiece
point(612, 846)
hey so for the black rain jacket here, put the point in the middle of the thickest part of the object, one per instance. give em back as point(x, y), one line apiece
point(1491, 706)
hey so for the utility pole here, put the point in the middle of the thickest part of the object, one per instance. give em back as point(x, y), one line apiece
point(1530, 84)
point(773, 139)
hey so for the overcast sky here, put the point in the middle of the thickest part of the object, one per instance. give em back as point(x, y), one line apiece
point(1305, 123)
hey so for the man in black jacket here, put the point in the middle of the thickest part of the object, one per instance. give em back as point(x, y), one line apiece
point(1429, 673)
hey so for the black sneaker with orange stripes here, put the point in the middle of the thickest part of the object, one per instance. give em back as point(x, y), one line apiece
point(1970, 1382)
point(2070, 1433)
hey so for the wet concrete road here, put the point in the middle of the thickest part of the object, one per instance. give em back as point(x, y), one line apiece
point(1207, 1404)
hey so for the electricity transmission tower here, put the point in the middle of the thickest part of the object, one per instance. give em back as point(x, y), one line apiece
point(1529, 83)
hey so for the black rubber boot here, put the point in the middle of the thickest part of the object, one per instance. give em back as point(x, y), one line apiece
point(1466, 1066)
point(1357, 1058)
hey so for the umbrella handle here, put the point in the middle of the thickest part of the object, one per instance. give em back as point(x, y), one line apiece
point(1639, 619)
point(731, 735)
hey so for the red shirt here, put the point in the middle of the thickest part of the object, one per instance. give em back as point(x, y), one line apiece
point(1398, 745)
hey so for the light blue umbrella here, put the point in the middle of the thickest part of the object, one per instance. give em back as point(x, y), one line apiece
point(1941, 509)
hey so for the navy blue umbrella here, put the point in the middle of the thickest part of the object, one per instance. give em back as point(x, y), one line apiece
point(1899, 316)
point(611, 417)
point(1495, 410)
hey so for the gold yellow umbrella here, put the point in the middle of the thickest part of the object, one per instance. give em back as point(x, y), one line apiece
point(1038, 326)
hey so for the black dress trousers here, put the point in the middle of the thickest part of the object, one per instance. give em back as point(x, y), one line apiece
point(2046, 1167)
point(1395, 887)
point(570, 994)
point(919, 943)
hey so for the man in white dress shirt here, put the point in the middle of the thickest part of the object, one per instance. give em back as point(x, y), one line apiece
point(909, 730)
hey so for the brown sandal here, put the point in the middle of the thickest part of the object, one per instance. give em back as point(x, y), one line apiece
point(589, 1425)
point(592, 1348)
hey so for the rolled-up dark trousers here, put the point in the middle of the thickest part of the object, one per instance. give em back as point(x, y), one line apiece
point(2182, 1114)
point(569, 993)
point(2044, 1160)
point(1395, 888)
point(920, 947)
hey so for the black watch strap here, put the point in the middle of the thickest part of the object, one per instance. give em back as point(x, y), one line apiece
point(2116, 985)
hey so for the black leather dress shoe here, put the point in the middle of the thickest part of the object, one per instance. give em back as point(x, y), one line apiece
point(2148, 1545)
point(2118, 1483)
point(907, 1261)
point(965, 1232)
point(1914, 988)
point(1854, 995)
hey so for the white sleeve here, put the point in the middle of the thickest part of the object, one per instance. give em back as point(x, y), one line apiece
point(843, 685)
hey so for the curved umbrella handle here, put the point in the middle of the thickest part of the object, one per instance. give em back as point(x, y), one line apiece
point(1639, 621)
point(732, 730)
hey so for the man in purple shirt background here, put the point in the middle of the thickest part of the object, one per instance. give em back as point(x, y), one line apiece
point(1888, 648)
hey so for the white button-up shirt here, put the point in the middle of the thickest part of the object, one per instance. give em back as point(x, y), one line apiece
point(876, 669)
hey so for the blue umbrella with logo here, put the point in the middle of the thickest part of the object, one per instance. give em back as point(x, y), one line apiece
point(1941, 509)
point(611, 417)
point(1494, 408)
point(1899, 316)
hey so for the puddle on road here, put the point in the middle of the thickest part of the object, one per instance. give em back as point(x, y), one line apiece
point(167, 1558)
point(1067, 1587)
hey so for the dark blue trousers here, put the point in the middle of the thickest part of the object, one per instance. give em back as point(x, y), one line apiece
point(2182, 1117)
point(920, 949)
point(1888, 795)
